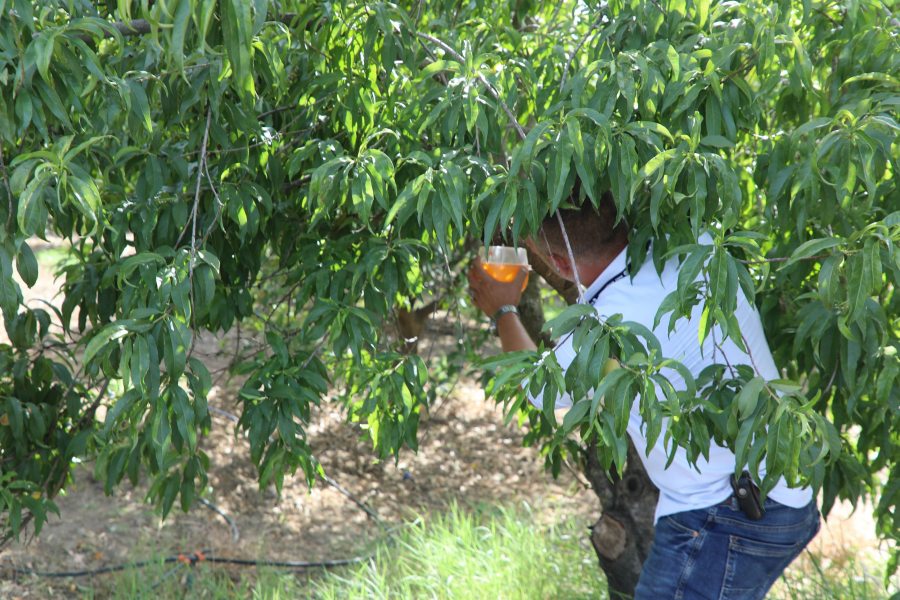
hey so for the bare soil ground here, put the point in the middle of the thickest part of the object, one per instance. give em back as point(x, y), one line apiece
point(466, 456)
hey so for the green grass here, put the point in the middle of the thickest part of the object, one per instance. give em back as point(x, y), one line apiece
point(458, 554)
point(490, 554)
point(812, 577)
point(53, 257)
point(552, 303)
point(161, 581)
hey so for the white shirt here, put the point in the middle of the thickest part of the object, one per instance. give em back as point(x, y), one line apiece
point(681, 486)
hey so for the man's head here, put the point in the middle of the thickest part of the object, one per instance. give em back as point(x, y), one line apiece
point(593, 233)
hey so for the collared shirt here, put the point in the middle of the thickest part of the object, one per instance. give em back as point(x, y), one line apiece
point(681, 486)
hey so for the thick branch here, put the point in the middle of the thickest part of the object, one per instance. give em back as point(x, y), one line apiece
point(566, 289)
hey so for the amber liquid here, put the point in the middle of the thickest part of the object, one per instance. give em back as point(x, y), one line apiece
point(505, 273)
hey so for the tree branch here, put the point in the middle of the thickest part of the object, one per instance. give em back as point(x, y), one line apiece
point(200, 164)
point(201, 167)
point(490, 88)
point(564, 288)
point(591, 32)
point(5, 173)
point(779, 259)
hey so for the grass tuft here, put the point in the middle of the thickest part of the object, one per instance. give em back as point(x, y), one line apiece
point(458, 554)
point(844, 577)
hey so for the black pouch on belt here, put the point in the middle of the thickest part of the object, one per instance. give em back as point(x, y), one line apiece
point(747, 495)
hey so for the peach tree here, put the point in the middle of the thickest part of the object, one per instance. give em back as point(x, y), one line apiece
point(319, 171)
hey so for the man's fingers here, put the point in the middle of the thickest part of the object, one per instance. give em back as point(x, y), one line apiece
point(470, 273)
point(476, 272)
point(521, 275)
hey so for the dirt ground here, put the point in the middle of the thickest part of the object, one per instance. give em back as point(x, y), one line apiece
point(466, 456)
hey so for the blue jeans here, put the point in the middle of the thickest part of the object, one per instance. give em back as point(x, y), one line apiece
point(717, 553)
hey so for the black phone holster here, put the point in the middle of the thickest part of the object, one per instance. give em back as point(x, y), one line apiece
point(747, 494)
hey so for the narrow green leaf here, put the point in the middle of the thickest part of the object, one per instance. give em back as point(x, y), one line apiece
point(140, 105)
point(107, 334)
point(44, 46)
point(576, 414)
point(748, 397)
point(180, 23)
point(878, 77)
point(237, 25)
point(651, 167)
point(672, 55)
point(26, 264)
point(31, 212)
point(812, 248)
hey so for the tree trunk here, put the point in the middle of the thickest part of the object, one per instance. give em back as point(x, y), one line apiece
point(622, 536)
point(411, 324)
point(532, 312)
point(624, 532)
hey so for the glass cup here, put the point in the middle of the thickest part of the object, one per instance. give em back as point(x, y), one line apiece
point(502, 263)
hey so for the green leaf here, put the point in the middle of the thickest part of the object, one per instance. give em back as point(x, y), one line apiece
point(260, 14)
point(44, 46)
point(672, 55)
point(565, 320)
point(812, 125)
point(651, 167)
point(109, 333)
point(638, 127)
point(32, 213)
point(590, 113)
point(525, 152)
point(742, 444)
point(87, 199)
point(180, 23)
point(140, 105)
point(748, 398)
point(878, 77)
point(811, 248)
point(237, 26)
point(702, 11)
point(122, 405)
point(26, 264)
point(607, 387)
point(575, 414)
point(560, 165)
point(128, 266)
point(207, 9)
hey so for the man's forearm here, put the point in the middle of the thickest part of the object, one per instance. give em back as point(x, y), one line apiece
point(512, 333)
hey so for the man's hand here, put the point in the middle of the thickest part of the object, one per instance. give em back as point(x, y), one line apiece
point(488, 294)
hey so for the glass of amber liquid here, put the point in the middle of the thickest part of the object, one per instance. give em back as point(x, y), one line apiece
point(503, 262)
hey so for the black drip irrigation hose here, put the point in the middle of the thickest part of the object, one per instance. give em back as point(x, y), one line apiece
point(235, 532)
point(192, 559)
point(223, 413)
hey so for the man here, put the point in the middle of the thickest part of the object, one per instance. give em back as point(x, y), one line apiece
point(705, 546)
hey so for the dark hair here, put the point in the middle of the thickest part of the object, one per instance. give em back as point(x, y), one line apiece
point(589, 229)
